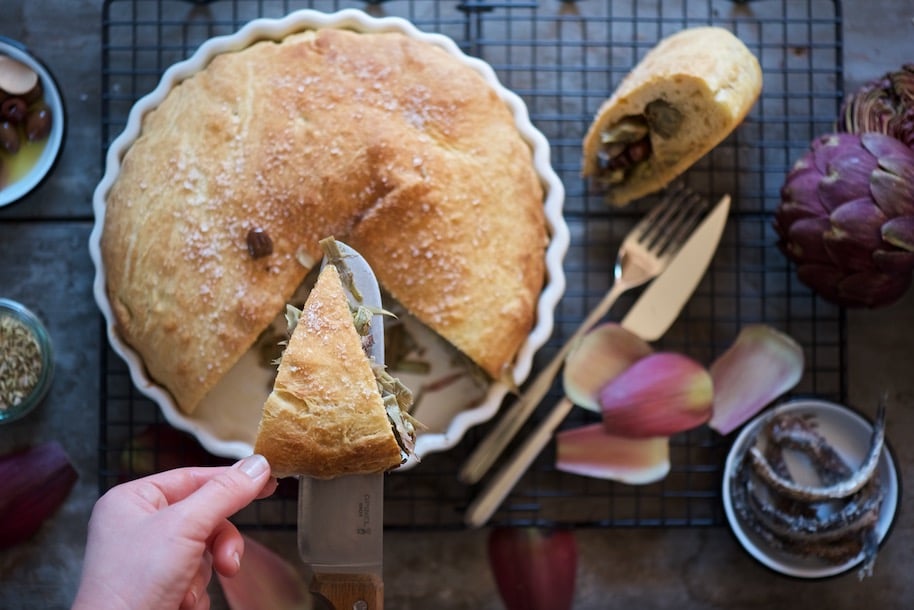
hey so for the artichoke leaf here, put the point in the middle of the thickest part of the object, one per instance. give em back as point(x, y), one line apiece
point(848, 178)
point(805, 240)
point(894, 194)
point(900, 232)
point(800, 195)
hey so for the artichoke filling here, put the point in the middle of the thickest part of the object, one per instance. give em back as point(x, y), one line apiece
point(626, 145)
point(397, 398)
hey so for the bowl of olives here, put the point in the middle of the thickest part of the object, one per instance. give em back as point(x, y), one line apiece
point(32, 121)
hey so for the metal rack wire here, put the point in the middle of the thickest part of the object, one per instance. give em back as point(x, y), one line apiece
point(563, 58)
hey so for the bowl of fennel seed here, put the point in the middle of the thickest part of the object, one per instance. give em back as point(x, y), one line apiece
point(26, 361)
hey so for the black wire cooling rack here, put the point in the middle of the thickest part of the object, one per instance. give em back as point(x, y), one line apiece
point(563, 58)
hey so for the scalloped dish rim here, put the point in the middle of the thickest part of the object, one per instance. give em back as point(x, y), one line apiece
point(275, 29)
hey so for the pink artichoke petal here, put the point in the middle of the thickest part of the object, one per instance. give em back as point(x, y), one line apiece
point(762, 364)
point(266, 581)
point(596, 359)
point(900, 232)
point(591, 452)
point(660, 395)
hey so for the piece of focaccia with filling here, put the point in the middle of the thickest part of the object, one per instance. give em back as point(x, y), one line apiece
point(683, 99)
point(332, 410)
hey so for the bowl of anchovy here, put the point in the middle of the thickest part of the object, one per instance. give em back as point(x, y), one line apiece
point(811, 488)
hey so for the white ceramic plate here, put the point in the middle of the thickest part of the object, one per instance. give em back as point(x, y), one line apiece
point(51, 151)
point(226, 422)
point(850, 434)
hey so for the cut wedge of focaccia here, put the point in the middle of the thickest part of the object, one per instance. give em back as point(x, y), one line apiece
point(332, 410)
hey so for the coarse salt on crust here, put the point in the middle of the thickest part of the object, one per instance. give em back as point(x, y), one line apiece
point(385, 142)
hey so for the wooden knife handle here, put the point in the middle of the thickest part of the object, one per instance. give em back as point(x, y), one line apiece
point(350, 591)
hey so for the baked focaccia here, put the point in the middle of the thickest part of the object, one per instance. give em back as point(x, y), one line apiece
point(389, 143)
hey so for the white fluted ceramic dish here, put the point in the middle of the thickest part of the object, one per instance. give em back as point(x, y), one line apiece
point(226, 422)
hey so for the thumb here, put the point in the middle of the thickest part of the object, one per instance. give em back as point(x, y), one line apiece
point(226, 493)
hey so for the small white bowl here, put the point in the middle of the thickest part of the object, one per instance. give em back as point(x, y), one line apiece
point(850, 434)
point(15, 191)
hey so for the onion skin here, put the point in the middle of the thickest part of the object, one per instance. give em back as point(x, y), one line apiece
point(534, 568)
point(34, 482)
point(660, 395)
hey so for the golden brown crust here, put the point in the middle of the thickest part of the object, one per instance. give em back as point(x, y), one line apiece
point(383, 141)
point(706, 73)
point(325, 416)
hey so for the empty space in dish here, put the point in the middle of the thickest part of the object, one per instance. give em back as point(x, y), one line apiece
point(564, 59)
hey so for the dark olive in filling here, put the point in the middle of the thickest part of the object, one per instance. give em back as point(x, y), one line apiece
point(627, 143)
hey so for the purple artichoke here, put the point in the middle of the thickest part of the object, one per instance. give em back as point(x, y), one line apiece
point(846, 218)
point(885, 105)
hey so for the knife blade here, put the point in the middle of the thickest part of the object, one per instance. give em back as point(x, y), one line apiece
point(653, 313)
point(341, 520)
point(662, 301)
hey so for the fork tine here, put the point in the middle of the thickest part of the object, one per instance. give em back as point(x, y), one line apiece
point(695, 208)
point(660, 214)
point(677, 215)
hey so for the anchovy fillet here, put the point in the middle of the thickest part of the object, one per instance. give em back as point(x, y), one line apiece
point(841, 489)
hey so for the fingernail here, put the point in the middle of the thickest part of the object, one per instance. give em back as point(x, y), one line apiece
point(253, 465)
point(237, 559)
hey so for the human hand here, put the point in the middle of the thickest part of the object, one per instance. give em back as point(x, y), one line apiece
point(154, 542)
